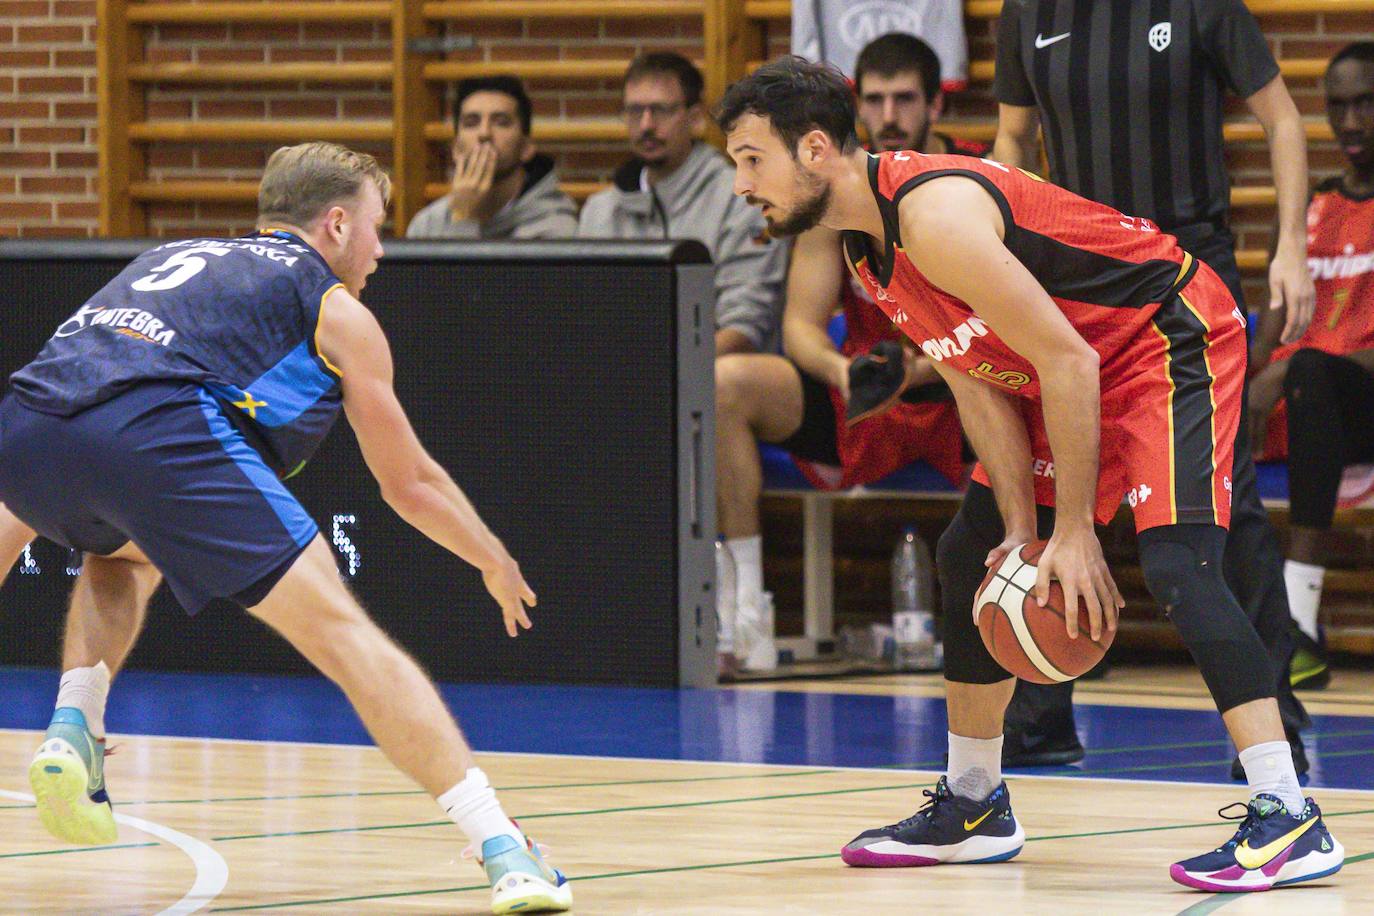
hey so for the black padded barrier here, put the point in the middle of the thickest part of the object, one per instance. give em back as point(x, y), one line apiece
point(566, 386)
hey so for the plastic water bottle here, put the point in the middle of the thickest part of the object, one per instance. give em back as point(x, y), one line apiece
point(726, 609)
point(913, 618)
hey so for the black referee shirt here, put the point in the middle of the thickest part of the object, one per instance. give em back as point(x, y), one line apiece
point(1130, 96)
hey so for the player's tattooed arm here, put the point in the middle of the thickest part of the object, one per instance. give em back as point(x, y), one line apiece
point(814, 281)
point(412, 482)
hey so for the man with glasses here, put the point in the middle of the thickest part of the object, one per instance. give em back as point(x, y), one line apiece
point(679, 187)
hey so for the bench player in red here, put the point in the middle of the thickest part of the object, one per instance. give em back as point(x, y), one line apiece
point(1026, 296)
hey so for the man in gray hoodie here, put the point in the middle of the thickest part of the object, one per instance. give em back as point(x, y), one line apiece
point(678, 187)
point(503, 188)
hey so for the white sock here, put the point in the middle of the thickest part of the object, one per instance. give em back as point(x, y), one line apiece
point(473, 806)
point(1269, 769)
point(748, 554)
point(86, 689)
point(1304, 582)
point(975, 766)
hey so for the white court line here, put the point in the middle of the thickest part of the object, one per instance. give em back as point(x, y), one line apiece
point(212, 872)
point(679, 760)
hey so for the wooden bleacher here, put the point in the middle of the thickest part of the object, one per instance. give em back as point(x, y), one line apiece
point(735, 38)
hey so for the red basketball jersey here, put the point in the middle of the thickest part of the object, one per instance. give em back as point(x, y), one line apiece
point(1106, 271)
point(1340, 255)
point(875, 447)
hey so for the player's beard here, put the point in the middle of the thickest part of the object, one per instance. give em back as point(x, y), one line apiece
point(813, 199)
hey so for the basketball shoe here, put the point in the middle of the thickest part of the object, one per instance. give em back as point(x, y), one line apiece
point(948, 829)
point(1310, 668)
point(1270, 849)
point(68, 779)
point(521, 881)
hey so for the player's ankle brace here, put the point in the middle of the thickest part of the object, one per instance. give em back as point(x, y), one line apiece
point(474, 807)
point(1183, 570)
point(86, 689)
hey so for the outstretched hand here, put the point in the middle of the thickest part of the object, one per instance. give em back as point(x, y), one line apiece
point(508, 587)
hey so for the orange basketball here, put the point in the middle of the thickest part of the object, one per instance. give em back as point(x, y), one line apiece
point(1029, 640)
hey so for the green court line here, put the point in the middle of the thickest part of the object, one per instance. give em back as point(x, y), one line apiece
point(1219, 742)
point(58, 852)
point(530, 817)
point(1145, 768)
point(617, 810)
point(1192, 911)
point(499, 788)
point(918, 765)
point(1217, 901)
point(487, 887)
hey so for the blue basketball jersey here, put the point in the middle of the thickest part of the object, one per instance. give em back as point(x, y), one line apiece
point(236, 316)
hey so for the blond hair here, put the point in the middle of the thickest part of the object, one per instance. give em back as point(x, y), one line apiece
point(301, 182)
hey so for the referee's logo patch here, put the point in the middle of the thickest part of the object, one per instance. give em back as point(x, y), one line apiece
point(1160, 34)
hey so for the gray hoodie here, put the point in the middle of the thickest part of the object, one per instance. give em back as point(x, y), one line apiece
point(698, 202)
point(539, 211)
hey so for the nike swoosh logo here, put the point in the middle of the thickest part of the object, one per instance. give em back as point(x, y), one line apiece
point(1251, 859)
point(968, 826)
point(1043, 42)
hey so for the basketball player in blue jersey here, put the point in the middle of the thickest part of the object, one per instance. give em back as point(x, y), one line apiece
point(152, 433)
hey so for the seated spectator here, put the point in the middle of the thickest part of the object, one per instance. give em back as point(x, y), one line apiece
point(681, 188)
point(897, 77)
point(503, 188)
point(1326, 378)
point(800, 401)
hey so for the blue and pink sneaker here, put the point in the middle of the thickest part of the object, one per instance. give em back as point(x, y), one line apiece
point(949, 829)
point(1272, 848)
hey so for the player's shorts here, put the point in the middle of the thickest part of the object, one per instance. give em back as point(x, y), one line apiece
point(158, 465)
point(833, 455)
point(1171, 404)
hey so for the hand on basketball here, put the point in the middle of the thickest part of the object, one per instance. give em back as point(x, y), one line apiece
point(473, 172)
point(1013, 540)
point(1074, 557)
point(508, 587)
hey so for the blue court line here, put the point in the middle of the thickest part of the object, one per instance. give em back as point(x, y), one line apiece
point(758, 727)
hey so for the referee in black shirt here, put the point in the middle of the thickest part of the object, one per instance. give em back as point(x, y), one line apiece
point(1130, 96)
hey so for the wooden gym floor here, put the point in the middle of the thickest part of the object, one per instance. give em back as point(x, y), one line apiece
point(221, 824)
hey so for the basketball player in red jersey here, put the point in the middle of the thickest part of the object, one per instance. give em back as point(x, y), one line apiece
point(1327, 376)
point(1028, 297)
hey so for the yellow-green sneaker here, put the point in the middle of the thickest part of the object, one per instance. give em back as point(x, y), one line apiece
point(1310, 668)
point(521, 881)
point(68, 779)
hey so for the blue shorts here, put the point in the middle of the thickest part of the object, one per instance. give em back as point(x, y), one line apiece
point(158, 465)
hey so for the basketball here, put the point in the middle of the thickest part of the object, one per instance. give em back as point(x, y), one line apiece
point(1029, 640)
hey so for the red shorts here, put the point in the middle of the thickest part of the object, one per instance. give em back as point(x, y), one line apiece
point(875, 447)
point(1171, 405)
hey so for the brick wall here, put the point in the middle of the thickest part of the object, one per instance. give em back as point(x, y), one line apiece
point(47, 100)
